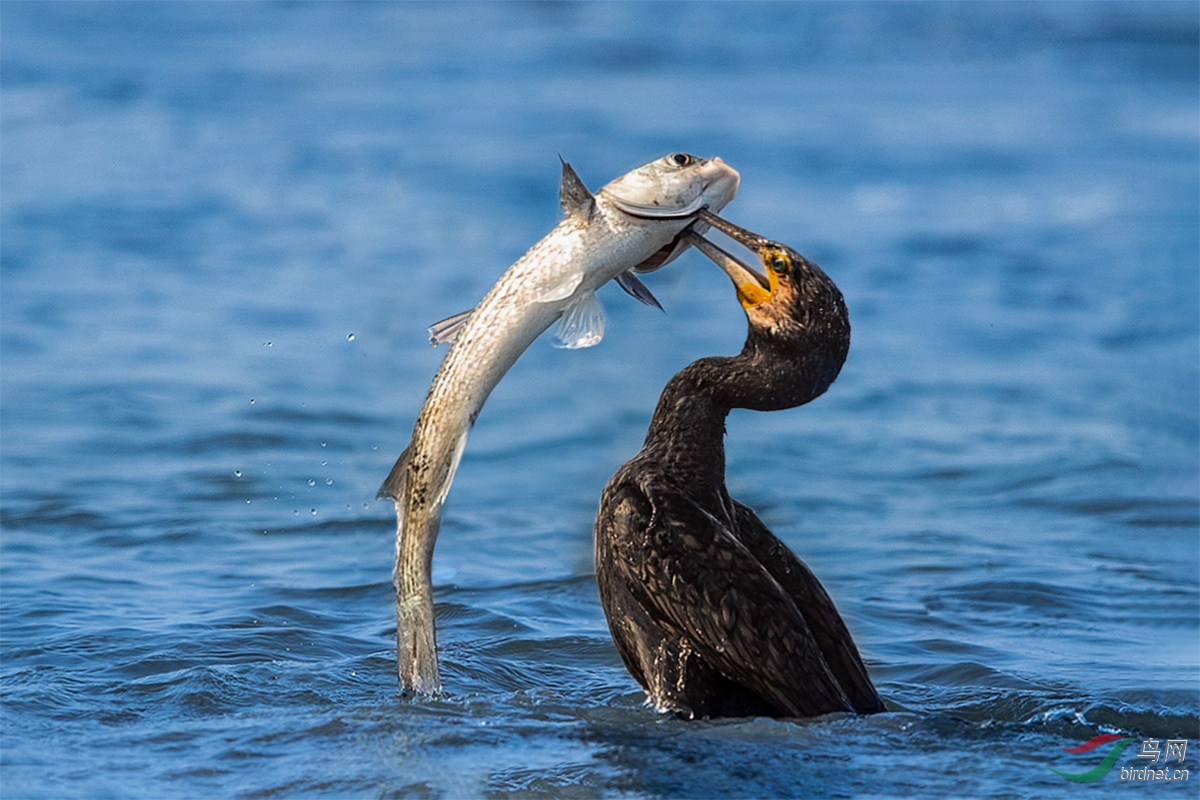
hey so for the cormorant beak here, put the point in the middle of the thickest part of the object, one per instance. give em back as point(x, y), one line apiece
point(747, 239)
point(753, 288)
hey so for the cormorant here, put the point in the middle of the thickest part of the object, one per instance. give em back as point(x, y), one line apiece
point(711, 613)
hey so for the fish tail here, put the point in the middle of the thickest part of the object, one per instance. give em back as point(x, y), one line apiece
point(416, 643)
point(418, 492)
point(416, 637)
point(416, 531)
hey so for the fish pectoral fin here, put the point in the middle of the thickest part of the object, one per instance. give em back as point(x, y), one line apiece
point(446, 331)
point(581, 324)
point(393, 486)
point(559, 286)
point(637, 290)
point(573, 196)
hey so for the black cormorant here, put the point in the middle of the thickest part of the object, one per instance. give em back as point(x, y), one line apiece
point(712, 614)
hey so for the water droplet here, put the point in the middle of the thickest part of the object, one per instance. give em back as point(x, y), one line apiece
point(350, 337)
point(374, 447)
point(329, 481)
point(268, 344)
point(237, 473)
point(312, 511)
point(247, 501)
point(323, 463)
point(312, 482)
point(295, 512)
point(323, 444)
point(251, 401)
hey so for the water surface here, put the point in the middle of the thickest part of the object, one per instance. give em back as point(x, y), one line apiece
point(226, 226)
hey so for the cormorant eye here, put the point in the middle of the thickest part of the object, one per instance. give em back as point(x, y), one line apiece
point(681, 159)
point(779, 264)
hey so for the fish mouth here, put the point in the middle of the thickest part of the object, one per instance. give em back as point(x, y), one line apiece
point(644, 211)
point(753, 288)
point(640, 211)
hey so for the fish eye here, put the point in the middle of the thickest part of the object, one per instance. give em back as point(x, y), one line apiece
point(681, 159)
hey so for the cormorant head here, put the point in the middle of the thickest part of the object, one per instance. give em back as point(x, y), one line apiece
point(796, 312)
point(791, 288)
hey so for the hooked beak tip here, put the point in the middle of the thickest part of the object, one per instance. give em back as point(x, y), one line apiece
point(748, 239)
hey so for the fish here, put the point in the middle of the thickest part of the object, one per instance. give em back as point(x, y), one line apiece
point(635, 224)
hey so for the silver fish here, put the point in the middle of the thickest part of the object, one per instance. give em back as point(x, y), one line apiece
point(634, 223)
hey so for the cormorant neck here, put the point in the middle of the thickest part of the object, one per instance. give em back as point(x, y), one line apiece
point(795, 347)
point(687, 432)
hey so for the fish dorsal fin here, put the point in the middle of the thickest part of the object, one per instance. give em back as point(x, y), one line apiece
point(447, 330)
point(637, 290)
point(573, 196)
point(581, 324)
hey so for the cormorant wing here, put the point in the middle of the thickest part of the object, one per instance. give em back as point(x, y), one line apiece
point(794, 576)
point(689, 572)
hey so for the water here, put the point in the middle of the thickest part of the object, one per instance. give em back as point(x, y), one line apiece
point(225, 227)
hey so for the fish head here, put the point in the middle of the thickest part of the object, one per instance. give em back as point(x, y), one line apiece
point(674, 187)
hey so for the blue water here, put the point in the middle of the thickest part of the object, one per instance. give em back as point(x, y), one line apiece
point(224, 228)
